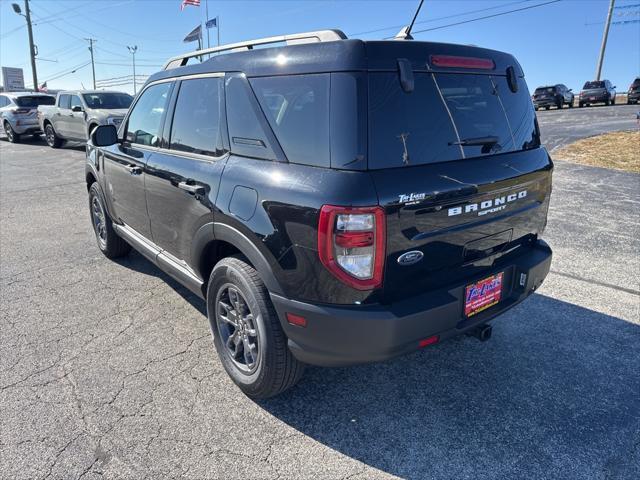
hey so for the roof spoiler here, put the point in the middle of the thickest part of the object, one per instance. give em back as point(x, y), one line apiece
point(294, 39)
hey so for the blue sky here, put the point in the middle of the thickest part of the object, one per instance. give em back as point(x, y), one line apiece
point(556, 43)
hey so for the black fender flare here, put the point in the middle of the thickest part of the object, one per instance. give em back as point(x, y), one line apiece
point(229, 234)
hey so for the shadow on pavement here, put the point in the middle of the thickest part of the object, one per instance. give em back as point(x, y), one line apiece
point(554, 394)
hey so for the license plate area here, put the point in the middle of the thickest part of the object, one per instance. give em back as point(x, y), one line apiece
point(483, 294)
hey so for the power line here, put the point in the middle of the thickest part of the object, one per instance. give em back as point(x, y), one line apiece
point(488, 16)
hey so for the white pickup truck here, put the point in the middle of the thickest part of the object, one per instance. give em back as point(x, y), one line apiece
point(77, 113)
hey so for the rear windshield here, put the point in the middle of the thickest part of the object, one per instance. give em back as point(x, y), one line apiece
point(446, 117)
point(591, 85)
point(544, 90)
point(35, 100)
point(109, 101)
point(636, 83)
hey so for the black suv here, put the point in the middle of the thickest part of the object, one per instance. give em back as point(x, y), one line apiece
point(597, 91)
point(335, 201)
point(552, 96)
point(633, 95)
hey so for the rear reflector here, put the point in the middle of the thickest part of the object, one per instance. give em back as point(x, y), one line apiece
point(296, 320)
point(428, 341)
point(462, 62)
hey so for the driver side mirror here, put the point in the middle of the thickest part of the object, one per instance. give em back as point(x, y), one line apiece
point(571, 89)
point(104, 136)
point(77, 108)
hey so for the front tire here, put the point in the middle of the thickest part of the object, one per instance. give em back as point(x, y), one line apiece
point(52, 138)
point(109, 243)
point(247, 333)
point(12, 136)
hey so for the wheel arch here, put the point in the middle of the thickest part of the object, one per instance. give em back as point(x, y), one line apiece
point(215, 241)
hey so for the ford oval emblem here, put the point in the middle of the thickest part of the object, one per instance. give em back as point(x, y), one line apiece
point(409, 258)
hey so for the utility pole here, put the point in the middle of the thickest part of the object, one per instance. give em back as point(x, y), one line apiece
point(133, 51)
point(93, 66)
point(605, 35)
point(32, 47)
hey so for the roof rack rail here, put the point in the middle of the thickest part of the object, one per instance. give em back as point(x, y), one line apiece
point(293, 39)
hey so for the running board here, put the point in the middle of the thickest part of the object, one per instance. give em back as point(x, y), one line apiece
point(163, 260)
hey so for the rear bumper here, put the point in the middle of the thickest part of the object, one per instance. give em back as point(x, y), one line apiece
point(344, 335)
point(547, 102)
point(633, 96)
point(26, 127)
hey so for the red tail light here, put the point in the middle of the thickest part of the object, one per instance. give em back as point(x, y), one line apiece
point(351, 244)
point(462, 62)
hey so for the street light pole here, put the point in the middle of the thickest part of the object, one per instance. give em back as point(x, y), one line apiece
point(605, 36)
point(32, 47)
point(93, 66)
point(133, 51)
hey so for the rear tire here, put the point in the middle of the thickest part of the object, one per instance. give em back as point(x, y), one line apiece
point(12, 136)
point(547, 107)
point(559, 104)
point(247, 333)
point(52, 138)
point(109, 243)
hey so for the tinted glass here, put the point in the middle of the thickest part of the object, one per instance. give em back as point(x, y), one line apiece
point(591, 85)
point(108, 100)
point(348, 121)
point(476, 110)
point(196, 119)
point(35, 101)
point(75, 101)
point(64, 100)
point(636, 83)
point(247, 132)
point(408, 128)
point(541, 90)
point(145, 120)
point(3, 101)
point(297, 108)
point(520, 114)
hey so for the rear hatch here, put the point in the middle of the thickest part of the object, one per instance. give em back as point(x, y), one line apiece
point(457, 165)
point(28, 106)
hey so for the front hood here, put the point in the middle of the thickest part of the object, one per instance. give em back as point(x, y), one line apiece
point(104, 112)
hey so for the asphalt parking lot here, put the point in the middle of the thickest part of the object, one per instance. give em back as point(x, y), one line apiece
point(107, 369)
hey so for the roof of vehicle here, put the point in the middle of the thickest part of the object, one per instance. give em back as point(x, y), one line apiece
point(67, 92)
point(27, 94)
point(340, 55)
point(548, 86)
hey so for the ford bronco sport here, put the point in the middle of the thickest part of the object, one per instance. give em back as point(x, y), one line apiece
point(334, 201)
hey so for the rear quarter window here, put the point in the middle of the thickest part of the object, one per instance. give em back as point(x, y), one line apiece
point(297, 108)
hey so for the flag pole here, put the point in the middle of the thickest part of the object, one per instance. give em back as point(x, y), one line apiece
point(206, 6)
point(218, 28)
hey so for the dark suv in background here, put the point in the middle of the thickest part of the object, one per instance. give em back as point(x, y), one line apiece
point(335, 201)
point(552, 96)
point(633, 95)
point(597, 91)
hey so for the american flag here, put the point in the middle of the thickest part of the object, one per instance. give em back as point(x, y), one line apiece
point(195, 3)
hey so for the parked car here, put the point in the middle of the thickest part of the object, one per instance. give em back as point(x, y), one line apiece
point(633, 95)
point(326, 198)
point(18, 113)
point(76, 113)
point(597, 91)
point(552, 96)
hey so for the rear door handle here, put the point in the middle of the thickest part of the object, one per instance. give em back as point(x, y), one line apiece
point(134, 169)
point(190, 187)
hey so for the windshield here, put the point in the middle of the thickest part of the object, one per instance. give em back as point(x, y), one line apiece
point(107, 100)
point(636, 83)
point(35, 100)
point(446, 117)
point(544, 89)
point(592, 85)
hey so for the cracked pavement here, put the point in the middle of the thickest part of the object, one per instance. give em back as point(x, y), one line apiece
point(107, 369)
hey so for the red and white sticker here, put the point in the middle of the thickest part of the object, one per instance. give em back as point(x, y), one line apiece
point(483, 294)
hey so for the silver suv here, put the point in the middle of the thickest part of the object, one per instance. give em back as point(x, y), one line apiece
point(18, 113)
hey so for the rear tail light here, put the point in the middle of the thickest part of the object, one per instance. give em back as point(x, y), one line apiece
point(462, 62)
point(351, 244)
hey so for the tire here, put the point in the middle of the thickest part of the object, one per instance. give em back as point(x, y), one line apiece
point(12, 136)
point(559, 104)
point(580, 105)
point(52, 138)
point(109, 243)
point(235, 286)
point(571, 102)
point(535, 108)
point(547, 107)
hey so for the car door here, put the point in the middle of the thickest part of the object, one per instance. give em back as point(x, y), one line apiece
point(60, 118)
point(76, 119)
point(125, 162)
point(183, 177)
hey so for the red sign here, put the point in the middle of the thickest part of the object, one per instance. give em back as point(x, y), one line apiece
point(483, 294)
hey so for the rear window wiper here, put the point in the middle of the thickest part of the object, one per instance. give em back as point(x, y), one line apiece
point(489, 144)
point(475, 142)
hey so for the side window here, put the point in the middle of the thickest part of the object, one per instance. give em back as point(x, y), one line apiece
point(145, 120)
point(3, 101)
point(196, 118)
point(246, 130)
point(75, 101)
point(64, 101)
point(297, 108)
